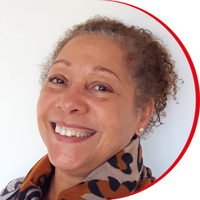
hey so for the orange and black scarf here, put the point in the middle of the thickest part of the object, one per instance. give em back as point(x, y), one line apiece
point(121, 175)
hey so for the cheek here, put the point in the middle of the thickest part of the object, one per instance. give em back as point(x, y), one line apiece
point(117, 124)
point(115, 118)
point(41, 108)
point(41, 113)
point(44, 104)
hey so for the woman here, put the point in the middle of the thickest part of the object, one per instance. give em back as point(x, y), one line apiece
point(104, 84)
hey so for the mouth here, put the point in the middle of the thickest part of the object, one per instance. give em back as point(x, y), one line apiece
point(72, 132)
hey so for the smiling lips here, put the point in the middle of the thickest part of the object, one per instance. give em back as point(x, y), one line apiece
point(72, 132)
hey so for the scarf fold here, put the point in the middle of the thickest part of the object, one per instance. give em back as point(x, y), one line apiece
point(121, 175)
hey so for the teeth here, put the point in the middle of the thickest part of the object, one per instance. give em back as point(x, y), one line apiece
point(62, 131)
point(71, 132)
point(68, 133)
point(78, 133)
point(82, 134)
point(57, 129)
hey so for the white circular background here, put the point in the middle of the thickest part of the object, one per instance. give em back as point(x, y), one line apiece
point(29, 29)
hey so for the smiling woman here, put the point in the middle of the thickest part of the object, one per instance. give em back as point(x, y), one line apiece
point(103, 86)
point(81, 99)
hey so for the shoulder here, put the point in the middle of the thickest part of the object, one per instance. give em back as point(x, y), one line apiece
point(12, 189)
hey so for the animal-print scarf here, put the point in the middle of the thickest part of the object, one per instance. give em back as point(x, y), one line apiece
point(121, 175)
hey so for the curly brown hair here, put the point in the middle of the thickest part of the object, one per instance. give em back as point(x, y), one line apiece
point(148, 61)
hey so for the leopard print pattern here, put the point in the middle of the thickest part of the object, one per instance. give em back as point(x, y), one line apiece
point(121, 175)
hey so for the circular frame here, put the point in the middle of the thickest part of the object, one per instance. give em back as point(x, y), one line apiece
point(197, 93)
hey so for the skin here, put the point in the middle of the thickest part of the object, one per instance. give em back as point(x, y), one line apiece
point(88, 88)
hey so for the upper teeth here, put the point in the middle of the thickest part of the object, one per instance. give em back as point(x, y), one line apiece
point(71, 132)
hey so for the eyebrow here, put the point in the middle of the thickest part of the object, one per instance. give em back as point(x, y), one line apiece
point(67, 63)
point(95, 69)
point(104, 69)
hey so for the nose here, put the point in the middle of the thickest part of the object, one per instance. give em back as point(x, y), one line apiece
point(73, 100)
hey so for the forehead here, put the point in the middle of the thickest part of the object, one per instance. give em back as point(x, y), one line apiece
point(87, 51)
point(96, 46)
point(93, 40)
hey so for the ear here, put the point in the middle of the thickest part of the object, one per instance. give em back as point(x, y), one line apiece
point(144, 116)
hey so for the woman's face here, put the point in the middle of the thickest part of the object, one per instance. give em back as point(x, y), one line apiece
point(86, 109)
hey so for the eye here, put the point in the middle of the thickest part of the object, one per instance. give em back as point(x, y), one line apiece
point(56, 80)
point(103, 88)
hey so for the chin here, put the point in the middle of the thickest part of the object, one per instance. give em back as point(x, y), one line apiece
point(66, 161)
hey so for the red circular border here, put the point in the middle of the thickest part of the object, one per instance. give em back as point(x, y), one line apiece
point(196, 83)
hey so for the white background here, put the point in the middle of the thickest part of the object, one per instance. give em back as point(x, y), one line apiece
point(28, 30)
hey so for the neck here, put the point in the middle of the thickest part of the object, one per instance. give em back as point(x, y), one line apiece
point(61, 180)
